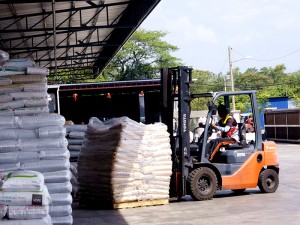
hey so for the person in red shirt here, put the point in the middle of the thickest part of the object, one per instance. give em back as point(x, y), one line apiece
point(228, 132)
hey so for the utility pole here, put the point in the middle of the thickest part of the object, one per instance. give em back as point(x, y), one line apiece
point(231, 77)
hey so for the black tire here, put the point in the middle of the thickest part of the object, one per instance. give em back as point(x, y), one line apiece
point(202, 183)
point(239, 191)
point(268, 181)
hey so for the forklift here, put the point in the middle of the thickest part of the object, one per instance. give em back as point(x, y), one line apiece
point(232, 166)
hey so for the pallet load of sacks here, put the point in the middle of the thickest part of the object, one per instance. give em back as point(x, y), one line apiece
point(123, 162)
point(24, 199)
point(38, 143)
point(23, 87)
point(75, 135)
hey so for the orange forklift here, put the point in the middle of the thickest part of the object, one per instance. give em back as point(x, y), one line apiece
point(249, 163)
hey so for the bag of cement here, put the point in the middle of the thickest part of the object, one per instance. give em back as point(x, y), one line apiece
point(59, 187)
point(76, 134)
point(27, 212)
point(51, 132)
point(31, 111)
point(31, 103)
point(5, 81)
point(57, 176)
point(61, 199)
point(9, 167)
point(74, 147)
point(63, 210)
point(37, 70)
point(21, 79)
point(5, 89)
point(28, 95)
point(45, 221)
point(75, 141)
point(4, 56)
point(3, 210)
point(41, 144)
point(37, 121)
point(18, 157)
point(77, 127)
point(9, 146)
point(20, 64)
point(55, 154)
point(15, 134)
point(46, 165)
point(25, 198)
point(5, 98)
point(36, 87)
point(10, 71)
point(22, 181)
point(7, 112)
point(12, 105)
point(65, 220)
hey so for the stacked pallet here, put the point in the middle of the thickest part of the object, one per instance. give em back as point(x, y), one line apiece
point(22, 94)
point(30, 137)
point(24, 199)
point(38, 143)
point(123, 163)
point(75, 135)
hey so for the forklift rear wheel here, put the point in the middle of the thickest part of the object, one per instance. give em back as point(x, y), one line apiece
point(268, 181)
point(202, 183)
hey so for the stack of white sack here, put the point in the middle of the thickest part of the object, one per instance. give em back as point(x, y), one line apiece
point(23, 87)
point(75, 135)
point(124, 161)
point(38, 143)
point(24, 199)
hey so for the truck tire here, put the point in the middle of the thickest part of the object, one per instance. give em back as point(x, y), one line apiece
point(202, 183)
point(268, 181)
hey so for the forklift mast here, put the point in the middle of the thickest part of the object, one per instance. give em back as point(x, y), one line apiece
point(176, 89)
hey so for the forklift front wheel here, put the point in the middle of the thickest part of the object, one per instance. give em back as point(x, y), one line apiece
point(202, 183)
point(268, 181)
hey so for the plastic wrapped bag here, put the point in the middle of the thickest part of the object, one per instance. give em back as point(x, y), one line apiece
point(3, 56)
point(22, 181)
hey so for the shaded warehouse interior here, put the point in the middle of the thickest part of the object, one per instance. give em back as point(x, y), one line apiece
point(139, 100)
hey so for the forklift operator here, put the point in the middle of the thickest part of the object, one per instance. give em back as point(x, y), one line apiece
point(227, 126)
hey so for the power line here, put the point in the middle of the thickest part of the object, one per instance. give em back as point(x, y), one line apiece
point(272, 59)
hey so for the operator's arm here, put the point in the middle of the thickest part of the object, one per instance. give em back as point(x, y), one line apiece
point(227, 127)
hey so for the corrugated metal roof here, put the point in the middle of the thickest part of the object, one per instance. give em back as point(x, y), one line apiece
point(74, 39)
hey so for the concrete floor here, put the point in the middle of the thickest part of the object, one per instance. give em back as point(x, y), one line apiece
point(252, 207)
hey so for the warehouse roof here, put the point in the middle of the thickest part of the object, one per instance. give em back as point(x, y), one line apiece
point(74, 39)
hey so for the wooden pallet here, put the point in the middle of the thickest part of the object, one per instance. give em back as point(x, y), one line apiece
point(144, 203)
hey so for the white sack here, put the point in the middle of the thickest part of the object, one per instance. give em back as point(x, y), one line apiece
point(57, 176)
point(12, 105)
point(3, 210)
point(5, 98)
point(61, 199)
point(63, 210)
point(5, 89)
point(21, 79)
point(18, 157)
point(22, 181)
point(45, 221)
point(46, 165)
point(25, 198)
point(63, 220)
point(39, 87)
point(31, 111)
point(55, 188)
point(27, 212)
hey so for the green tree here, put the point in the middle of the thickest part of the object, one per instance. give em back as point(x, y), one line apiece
point(141, 57)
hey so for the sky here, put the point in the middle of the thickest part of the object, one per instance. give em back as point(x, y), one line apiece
point(261, 33)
